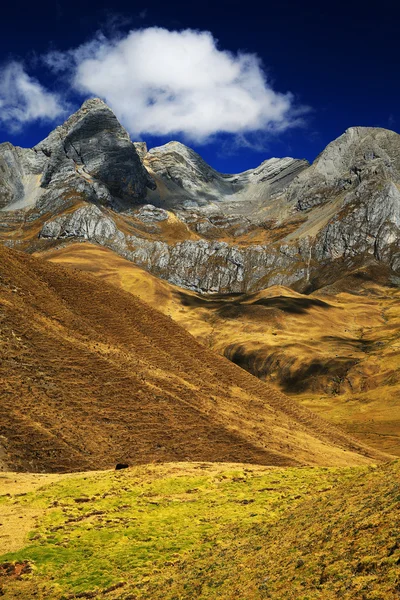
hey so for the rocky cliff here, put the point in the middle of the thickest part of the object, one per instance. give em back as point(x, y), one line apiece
point(285, 222)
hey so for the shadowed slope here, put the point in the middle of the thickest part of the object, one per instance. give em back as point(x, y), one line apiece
point(92, 376)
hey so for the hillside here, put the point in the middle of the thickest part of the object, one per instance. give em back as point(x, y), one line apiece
point(93, 376)
point(200, 530)
point(336, 350)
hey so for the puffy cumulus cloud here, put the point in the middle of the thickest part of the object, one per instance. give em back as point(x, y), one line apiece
point(23, 99)
point(162, 82)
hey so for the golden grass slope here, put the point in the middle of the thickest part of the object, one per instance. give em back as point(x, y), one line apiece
point(336, 350)
point(92, 376)
point(201, 530)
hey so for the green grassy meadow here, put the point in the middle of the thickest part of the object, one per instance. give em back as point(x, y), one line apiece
point(183, 531)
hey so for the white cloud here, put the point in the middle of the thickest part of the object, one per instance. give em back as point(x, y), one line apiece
point(23, 99)
point(164, 82)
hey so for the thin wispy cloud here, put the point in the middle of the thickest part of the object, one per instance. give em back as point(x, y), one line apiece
point(24, 100)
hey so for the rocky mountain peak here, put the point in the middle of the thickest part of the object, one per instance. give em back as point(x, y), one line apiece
point(360, 153)
point(180, 164)
point(92, 145)
point(92, 110)
point(93, 104)
point(358, 145)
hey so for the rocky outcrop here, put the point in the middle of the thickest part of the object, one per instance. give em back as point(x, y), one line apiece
point(87, 222)
point(217, 267)
point(198, 265)
point(150, 214)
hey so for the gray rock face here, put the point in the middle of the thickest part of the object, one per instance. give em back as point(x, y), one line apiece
point(87, 222)
point(211, 267)
point(358, 154)
point(98, 145)
point(284, 222)
point(20, 170)
point(369, 223)
point(149, 214)
point(94, 145)
point(188, 182)
point(11, 174)
point(141, 149)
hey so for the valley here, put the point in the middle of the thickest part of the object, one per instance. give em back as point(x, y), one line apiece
point(337, 350)
point(93, 376)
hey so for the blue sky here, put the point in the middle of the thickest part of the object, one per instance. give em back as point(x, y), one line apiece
point(300, 73)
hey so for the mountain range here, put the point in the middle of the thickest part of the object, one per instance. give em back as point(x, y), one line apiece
point(284, 223)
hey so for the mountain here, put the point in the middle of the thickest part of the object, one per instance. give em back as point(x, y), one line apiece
point(283, 223)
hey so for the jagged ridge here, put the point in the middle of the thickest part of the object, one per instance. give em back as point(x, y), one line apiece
point(283, 223)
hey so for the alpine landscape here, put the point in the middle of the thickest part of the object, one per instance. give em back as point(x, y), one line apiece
point(199, 371)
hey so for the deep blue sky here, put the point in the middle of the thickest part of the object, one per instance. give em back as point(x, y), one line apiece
point(342, 59)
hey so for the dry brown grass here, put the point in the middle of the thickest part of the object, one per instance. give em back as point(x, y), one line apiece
point(337, 352)
point(92, 376)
